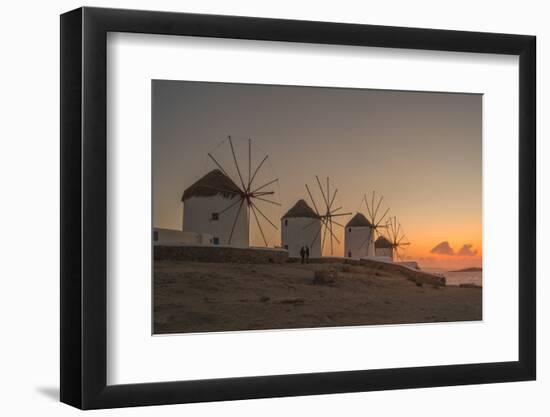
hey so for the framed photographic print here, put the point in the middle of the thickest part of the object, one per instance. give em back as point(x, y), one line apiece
point(258, 208)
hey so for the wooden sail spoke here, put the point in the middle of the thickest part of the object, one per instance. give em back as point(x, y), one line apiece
point(236, 163)
point(268, 201)
point(377, 207)
point(265, 185)
point(333, 235)
point(228, 207)
point(312, 200)
point(218, 165)
point(338, 224)
point(367, 205)
point(309, 224)
point(322, 192)
point(221, 190)
point(316, 236)
point(256, 171)
point(235, 221)
point(264, 216)
point(332, 201)
point(249, 162)
point(339, 214)
point(259, 226)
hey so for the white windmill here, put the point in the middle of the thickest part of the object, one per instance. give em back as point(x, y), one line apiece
point(362, 231)
point(326, 213)
point(299, 227)
point(223, 202)
point(398, 240)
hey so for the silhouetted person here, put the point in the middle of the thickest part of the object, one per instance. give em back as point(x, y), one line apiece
point(302, 253)
point(307, 254)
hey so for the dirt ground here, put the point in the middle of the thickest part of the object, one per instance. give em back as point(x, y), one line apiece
point(208, 297)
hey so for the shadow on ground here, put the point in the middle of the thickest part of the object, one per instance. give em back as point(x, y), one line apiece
point(50, 392)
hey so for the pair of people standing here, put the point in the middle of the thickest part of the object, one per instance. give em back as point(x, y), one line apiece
point(304, 254)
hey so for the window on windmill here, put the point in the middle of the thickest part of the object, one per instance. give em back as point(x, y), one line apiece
point(216, 240)
point(215, 216)
point(286, 222)
point(349, 229)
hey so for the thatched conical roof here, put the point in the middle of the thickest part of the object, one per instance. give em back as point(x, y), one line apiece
point(359, 220)
point(301, 209)
point(382, 243)
point(215, 182)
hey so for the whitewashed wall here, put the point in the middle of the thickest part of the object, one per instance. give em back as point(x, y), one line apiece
point(181, 237)
point(197, 217)
point(384, 252)
point(353, 242)
point(295, 236)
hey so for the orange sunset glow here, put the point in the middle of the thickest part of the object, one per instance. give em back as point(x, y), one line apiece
point(421, 151)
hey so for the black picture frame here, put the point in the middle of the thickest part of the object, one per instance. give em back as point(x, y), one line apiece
point(84, 207)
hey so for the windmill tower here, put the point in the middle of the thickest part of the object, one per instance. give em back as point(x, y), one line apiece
point(357, 231)
point(398, 240)
point(299, 227)
point(376, 220)
point(383, 248)
point(326, 212)
point(223, 205)
point(362, 231)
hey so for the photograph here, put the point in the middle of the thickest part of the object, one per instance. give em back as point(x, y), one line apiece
point(282, 204)
point(293, 207)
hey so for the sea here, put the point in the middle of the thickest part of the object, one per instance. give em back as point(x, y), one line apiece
point(457, 278)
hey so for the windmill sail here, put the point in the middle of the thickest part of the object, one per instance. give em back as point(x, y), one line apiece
point(376, 218)
point(327, 214)
point(254, 193)
point(397, 238)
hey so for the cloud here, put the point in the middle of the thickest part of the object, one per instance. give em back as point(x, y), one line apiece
point(466, 250)
point(443, 248)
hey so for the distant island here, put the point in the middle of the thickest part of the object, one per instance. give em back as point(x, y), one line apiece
point(472, 269)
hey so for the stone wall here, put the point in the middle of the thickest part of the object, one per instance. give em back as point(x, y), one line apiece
point(220, 254)
point(418, 276)
point(415, 275)
point(328, 260)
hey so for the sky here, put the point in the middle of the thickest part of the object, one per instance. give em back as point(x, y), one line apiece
point(421, 150)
